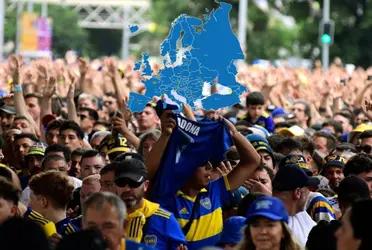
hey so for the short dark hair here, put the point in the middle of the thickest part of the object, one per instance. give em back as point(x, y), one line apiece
point(350, 190)
point(365, 134)
point(89, 153)
point(255, 98)
point(55, 124)
point(73, 126)
point(331, 140)
point(91, 112)
point(307, 145)
point(275, 140)
point(26, 135)
point(307, 110)
point(54, 185)
point(287, 145)
point(361, 219)
point(78, 152)
point(335, 124)
point(108, 168)
point(50, 158)
point(347, 114)
point(8, 191)
point(59, 148)
point(358, 164)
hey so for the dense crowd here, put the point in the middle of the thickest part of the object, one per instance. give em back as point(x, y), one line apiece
point(289, 167)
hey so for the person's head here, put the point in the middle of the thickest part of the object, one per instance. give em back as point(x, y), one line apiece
point(61, 150)
point(84, 239)
point(350, 190)
point(263, 149)
point(76, 156)
point(91, 184)
point(333, 170)
point(55, 162)
point(7, 114)
point(232, 232)
point(33, 106)
point(110, 102)
point(88, 117)
point(322, 236)
point(91, 163)
point(87, 101)
point(289, 146)
point(131, 182)
point(9, 197)
point(267, 228)
point(201, 176)
point(264, 175)
point(355, 231)
point(23, 143)
point(97, 138)
point(291, 184)
point(324, 142)
point(50, 191)
point(365, 144)
point(23, 124)
point(71, 135)
point(360, 165)
point(345, 118)
point(107, 179)
point(333, 127)
point(19, 233)
point(302, 113)
point(106, 213)
point(52, 132)
point(148, 119)
point(360, 117)
point(255, 102)
point(114, 145)
point(34, 158)
point(147, 141)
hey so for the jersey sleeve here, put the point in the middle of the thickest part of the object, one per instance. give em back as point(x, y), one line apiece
point(320, 209)
point(48, 226)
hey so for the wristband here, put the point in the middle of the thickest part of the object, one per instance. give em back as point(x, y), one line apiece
point(17, 88)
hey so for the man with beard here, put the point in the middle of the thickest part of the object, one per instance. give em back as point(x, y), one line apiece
point(147, 222)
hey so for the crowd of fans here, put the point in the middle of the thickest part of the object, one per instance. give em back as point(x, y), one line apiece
point(290, 167)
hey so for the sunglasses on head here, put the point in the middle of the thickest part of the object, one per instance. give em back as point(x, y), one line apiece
point(364, 148)
point(123, 182)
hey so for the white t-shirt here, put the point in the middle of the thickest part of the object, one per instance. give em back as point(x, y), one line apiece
point(25, 196)
point(301, 225)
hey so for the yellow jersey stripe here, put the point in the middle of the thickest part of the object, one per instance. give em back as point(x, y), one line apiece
point(226, 181)
point(205, 226)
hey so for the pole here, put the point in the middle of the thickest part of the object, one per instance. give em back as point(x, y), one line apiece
point(44, 9)
point(325, 47)
point(2, 24)
point(125, 36)
point(242, 30)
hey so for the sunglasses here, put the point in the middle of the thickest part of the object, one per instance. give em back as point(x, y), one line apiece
point(123, 182)
point(364, 148)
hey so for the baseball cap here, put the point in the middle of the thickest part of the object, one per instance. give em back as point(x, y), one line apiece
point(132, 169)
point(334, 161)
point(36, 150)
point(259, 143)
point(8, 109)
point(113, 145)
point(297, 159)
point(232, 230)
point(291, 176)
point(291, 131)
point(268, 207)
point(278, 112)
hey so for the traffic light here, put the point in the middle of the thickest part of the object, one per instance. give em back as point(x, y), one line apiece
point(326, 32)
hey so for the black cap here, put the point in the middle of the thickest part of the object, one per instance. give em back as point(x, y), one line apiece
point(8, 109)
point(132, 169)
point(291, 176)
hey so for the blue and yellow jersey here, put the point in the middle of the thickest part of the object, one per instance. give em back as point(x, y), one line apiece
point(48, 226)
point(154, 227)
point(319, 208)
point(65, 227)
point(131, 245)
point(207, 223)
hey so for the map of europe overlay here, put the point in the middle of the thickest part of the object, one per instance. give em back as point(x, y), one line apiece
point(196, 51)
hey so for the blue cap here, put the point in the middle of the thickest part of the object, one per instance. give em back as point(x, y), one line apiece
point(232, 232)
point(278, 112)
point(268, 207)
point(259, 143)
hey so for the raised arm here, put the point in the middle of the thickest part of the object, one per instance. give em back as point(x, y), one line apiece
point(71, 108)
point(154, 158)
point(249, 158)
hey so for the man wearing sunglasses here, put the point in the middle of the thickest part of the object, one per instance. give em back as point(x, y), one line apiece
point(365, 142)
point(147, 222)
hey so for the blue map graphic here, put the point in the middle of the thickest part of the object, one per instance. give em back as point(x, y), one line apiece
point(133, 28)
point(195, 52)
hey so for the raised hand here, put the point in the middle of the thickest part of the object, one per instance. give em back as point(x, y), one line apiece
point(167, 123)
point(14, 64)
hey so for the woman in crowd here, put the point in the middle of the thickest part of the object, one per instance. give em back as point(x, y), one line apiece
point(267, 227)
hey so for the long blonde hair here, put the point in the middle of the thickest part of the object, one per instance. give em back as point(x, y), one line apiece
point(287, 243)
